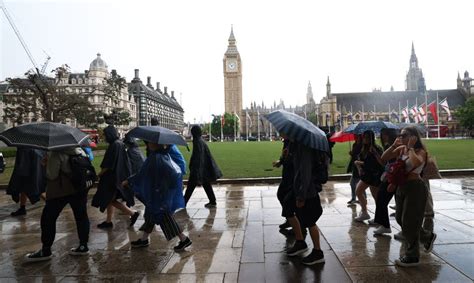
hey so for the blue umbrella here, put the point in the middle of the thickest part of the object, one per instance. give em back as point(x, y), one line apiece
point(156, 134)
point(299, 129)
point(375, 126)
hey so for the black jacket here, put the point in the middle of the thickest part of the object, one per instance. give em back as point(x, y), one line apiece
point(202, 167)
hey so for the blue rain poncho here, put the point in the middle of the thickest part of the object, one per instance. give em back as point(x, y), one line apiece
point(159, 183)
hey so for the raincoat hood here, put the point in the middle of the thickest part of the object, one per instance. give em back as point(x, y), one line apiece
point(196, 132)
point(130, 142)
point(111, 134)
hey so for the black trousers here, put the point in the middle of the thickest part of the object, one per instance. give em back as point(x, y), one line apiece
point(53, 208)
point(207, 188)
point(381, 205)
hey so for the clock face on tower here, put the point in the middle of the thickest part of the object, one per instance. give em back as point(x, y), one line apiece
point(231, 66)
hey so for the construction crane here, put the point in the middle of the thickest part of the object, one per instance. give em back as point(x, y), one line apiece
point(23, 43)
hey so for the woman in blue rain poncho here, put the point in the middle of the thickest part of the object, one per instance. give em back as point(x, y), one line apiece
point(159, 185)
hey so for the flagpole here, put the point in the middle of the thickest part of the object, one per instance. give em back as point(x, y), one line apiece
point(352, 119)
point(235, 128)
point(437, 112)
point(210, 130)
point(247, 123)
point(363, 113)
point(222, 129)
point(416, 108)
point(426, 113)
point(389, 114)
point(399, 111)
point(258, 125)
point(271, 138)
point(408, 113)
point(375, 116)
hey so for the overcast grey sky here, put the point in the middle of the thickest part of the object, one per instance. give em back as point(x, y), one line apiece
point(360, 45)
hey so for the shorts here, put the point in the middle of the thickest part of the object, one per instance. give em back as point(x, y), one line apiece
point(308, 215)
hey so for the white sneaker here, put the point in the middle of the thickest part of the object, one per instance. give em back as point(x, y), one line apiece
point(382, 230)
point(362, 216)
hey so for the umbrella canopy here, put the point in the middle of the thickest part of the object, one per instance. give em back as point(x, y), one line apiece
point(375, 126)
point(44, 135)
point(420, 127)
point(156, 134)
point(342, 137)
point(299, 129)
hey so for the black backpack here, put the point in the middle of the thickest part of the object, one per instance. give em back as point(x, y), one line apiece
point(83, 174)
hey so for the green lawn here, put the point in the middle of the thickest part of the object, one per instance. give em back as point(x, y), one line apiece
point(254, 159)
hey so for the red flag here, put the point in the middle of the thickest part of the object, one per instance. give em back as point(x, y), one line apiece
point(432, 108)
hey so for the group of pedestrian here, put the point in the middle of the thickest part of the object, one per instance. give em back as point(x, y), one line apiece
point(157, 181)
point(396, 170)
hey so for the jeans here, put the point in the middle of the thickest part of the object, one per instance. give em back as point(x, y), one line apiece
point(207, 188)
point(381, 209)
point(353, 182)
point(53, 208)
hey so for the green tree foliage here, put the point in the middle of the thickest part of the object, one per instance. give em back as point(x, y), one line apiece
point(228, 129)
point(466, 114)
point(112, 90)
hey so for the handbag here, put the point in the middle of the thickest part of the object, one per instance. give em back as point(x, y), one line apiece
point(431, 170)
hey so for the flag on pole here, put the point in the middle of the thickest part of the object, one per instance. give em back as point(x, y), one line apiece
point(405, 115)
point(422, 112)
point(414, 113)
point(445, 106)
point(434, 112)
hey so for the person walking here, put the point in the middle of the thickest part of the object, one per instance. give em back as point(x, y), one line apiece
point(202, 169)
point(115, 169)
point(134, 154)
point(381, 218)
point(411, 196)
point(60, 191)
point(303, 206)
point(159, 183)
point(370, 169)
point(28, 179)
point(351, 168)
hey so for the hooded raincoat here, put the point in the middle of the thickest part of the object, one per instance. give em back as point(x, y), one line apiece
point(119, 169)
point(134, 154)
point(28, 176)
point(202, 167)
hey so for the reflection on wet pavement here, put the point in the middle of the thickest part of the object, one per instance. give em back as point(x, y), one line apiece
point(239, 241)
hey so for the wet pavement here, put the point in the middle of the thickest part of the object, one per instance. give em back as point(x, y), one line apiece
point(239, 241)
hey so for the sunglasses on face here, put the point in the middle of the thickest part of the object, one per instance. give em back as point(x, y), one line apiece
point(403, 135)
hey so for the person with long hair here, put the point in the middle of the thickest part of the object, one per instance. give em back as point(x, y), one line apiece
point(351, 168)
point(370, 169)
point(387, 138)
point(411, 196)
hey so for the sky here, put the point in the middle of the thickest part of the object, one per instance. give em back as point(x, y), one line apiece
point(359, 45)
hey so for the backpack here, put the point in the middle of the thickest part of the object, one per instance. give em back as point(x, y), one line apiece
point(83, 174)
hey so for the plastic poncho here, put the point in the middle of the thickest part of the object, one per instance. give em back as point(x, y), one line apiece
point(159, 184)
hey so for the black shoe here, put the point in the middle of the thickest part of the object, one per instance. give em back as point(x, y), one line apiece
point(140, 243)
point(429, 245)
point(81, 250)
point(134, 218)
point(21, 211)
point(285, 225)
point(38, 256)
point(299, 247)
point(316, 256)
point(105, 225)
point(182, 245)
point(407, 261)
point(210, 205)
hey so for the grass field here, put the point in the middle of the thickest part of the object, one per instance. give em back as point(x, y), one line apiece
point(254, 159)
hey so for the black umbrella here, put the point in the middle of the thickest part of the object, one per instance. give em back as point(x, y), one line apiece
point(375, 126)
point(44, 135)
point(299, 129)
point(156, 134)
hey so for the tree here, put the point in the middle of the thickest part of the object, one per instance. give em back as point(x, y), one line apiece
point(466, 114)
point(46, 98)
point(228, 125)
point(112, 90)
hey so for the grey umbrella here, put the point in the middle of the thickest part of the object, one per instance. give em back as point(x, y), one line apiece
point(156, 134)
point(299, 129)
point(44, 135)
point(375, 126)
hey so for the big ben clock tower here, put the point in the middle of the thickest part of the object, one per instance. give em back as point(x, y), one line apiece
point(232, 78)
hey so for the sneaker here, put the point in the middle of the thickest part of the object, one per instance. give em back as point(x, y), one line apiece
point(372, 222)
point(362, 216)
point(406, 261)
point(140, 243)
point(81, 250)
point(21, 211)
point(399, 236)
point(182, 245)
point(382, 230)
point(210, 205)
point(134, 218)
point(316, 256)
point(285, 225)
point(351, 201)
point(299, 247)
point(429, 245)
point(105, 225)
point(38, 256)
